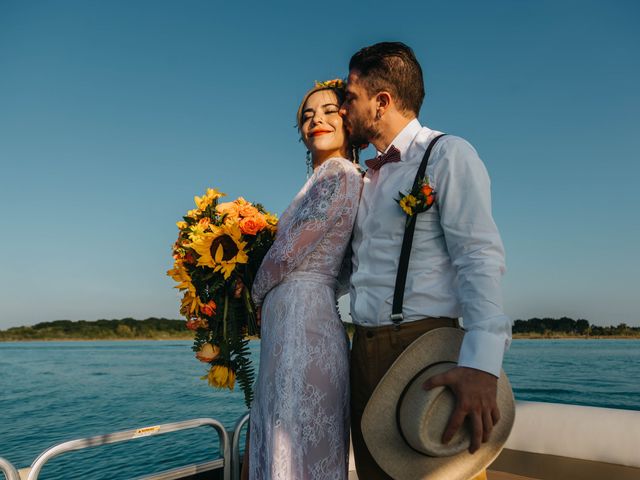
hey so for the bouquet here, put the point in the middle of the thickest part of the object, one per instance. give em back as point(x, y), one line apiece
point(219, 249)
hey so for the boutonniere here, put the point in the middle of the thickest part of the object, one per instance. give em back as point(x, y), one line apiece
point(418, 200)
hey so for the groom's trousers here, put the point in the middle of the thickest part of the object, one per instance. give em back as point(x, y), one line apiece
point(373, 351)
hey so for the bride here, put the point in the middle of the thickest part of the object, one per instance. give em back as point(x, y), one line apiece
point(299, 426)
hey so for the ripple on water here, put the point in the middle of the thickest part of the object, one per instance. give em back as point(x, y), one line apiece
point(51, 394)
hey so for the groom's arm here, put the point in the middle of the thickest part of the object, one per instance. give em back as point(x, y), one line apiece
point(474, 245)
point(477, 255)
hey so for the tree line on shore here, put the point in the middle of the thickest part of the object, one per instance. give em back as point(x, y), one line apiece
point(163, 328)
point(126, 328)
point(570, 327)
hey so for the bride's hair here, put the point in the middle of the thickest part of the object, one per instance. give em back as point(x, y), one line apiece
point(338, 87)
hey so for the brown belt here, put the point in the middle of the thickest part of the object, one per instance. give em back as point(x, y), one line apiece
point(417, 325)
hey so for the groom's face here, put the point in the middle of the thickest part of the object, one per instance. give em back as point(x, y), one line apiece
point(359, 112)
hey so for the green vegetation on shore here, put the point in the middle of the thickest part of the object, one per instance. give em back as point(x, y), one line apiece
point(559, 328)
point(568, 328)
point(166, 329)
point(124, 329)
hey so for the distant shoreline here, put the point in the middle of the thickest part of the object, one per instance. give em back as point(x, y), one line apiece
point(523, 336)
point(129, 339)
point(163, 329)
point(518, 336)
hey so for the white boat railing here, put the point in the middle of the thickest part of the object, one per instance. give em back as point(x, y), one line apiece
point(180, 472)
point(10, 472)
point(235, 447)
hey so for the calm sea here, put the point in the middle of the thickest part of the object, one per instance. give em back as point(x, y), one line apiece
point(51, 392)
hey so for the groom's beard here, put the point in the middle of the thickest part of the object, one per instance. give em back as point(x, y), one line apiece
point(362, 132)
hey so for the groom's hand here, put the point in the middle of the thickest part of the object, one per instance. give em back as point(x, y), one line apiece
point(475, 393)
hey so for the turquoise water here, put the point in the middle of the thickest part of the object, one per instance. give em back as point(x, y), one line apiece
point(51, 392)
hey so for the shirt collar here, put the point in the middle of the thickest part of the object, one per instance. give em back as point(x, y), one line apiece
point(405, 138)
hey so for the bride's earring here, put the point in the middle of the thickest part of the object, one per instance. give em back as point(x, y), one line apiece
point(309, 164)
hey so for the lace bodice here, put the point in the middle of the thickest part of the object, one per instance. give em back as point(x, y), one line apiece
point(300, 413)
point(314, 231)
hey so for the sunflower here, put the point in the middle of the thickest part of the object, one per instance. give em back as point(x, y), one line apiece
point(408, 203)
point(221, 249)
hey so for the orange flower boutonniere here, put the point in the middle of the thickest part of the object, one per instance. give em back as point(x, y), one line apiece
point(418, 200)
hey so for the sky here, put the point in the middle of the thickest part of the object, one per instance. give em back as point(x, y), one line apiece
point(113, 115)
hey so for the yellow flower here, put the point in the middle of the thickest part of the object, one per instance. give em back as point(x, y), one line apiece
point(272, 222)
point(407, 204)
point(221, 249)
point(180, 275)
point(181, 225)
point(196, 230)
point(208, 198)
point(271, 219)
point(190, 304)
point(220, 376)
point(194, 213)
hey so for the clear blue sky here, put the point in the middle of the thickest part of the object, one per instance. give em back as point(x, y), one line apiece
point(114, 114)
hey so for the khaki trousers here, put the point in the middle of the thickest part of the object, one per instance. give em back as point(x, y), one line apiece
point(373, 351)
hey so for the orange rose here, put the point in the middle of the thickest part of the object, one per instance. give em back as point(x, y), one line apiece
point(248, 211)
point(245, 209)
point(252, 225)
point(207, 352)
point(230, 208)
point(427, 190)
point(209, 309)
point(430, 200)
point(204, 222)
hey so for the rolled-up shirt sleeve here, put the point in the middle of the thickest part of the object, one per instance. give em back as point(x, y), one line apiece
point(463, 193)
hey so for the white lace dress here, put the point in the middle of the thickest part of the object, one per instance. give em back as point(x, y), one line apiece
point(300, 414)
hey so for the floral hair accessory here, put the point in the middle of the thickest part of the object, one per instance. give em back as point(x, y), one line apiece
point(417, 200)
point(335, 83)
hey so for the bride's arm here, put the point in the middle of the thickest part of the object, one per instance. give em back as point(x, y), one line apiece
point(317, 213)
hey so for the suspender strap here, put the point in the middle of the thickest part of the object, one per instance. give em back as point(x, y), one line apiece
point(407, 241)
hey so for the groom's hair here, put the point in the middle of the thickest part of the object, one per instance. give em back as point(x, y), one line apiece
point(392, 67)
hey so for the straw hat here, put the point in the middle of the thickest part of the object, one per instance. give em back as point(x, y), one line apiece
point(402, 424)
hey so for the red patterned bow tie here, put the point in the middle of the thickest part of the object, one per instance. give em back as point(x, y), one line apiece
point(392, 155)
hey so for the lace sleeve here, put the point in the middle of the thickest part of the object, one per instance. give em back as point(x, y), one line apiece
point(317, 211)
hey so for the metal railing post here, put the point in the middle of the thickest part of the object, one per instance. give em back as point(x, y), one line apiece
point(8, 469)
point(123, 436)
point(235, 447)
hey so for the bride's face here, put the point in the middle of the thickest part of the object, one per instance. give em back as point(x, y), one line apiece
point(321, 126)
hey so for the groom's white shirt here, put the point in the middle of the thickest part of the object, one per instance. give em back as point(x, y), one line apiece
point(457, 258)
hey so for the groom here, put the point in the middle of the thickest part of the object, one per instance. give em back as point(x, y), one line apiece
point(456, 261)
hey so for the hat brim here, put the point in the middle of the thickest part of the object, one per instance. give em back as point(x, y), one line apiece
point(380, 430)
